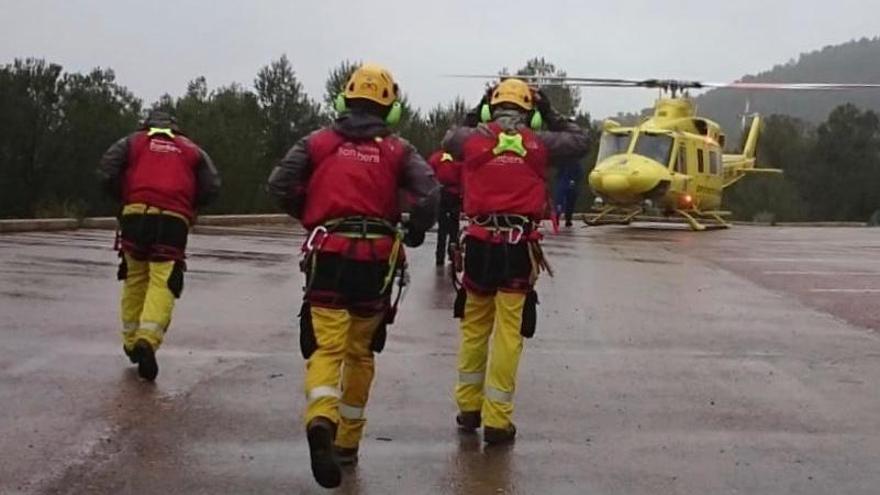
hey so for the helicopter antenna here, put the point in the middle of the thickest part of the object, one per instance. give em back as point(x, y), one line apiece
point(746, 113)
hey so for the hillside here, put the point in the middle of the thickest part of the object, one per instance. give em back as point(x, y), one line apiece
point(856, 61)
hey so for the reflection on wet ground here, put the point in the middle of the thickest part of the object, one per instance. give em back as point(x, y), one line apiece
point(665, 362)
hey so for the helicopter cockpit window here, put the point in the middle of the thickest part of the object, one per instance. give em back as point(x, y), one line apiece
point(613, 143)
point(655, 146)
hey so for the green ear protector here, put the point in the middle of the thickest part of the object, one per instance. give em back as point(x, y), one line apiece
point(392, 118)
point(536, 122)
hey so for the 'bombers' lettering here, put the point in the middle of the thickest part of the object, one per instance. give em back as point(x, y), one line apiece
point(369, 155)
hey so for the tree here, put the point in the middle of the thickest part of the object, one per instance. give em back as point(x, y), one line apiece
point(94, 111)
point(29, 95)
point(440, 119)
point(336, 81)
point(230, 130)
point(566, 99)
point(288, 113)
point(844, 184)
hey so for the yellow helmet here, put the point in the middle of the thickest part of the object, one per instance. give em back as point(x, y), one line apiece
point(514, 91)
point(372, 82)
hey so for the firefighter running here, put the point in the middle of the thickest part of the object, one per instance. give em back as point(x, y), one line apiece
point(161, 178)
point(342, 183)
point(505, 160)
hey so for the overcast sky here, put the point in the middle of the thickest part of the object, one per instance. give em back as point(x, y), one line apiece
point(156, 47)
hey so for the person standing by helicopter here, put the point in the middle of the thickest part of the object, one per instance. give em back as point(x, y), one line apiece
point(505, 159)
point(342, 183)
point(568, 176)
point(448, 172)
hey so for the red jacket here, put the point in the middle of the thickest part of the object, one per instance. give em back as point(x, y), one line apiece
point(504, 181)
point(162, 172)
point(447, 171)
point(352, 178)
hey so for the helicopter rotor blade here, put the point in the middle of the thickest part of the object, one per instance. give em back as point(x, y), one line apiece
point(791, 86)
point(593, 81)
point(668, 84)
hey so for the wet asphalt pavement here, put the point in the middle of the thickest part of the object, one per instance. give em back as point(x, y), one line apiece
point(740, 361)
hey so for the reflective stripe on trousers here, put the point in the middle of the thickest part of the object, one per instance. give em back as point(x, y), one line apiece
point(350, 412)
point(496, 395)
point(476, 378)
point(320, 392)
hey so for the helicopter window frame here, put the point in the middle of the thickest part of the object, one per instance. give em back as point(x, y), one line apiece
point(655, 137)
point(622, 142)
point(714, 162)
point(701, 161)
point(681, 165)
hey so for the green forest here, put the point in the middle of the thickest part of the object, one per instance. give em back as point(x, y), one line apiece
point(55, 125)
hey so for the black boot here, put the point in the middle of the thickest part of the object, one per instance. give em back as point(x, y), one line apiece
point(145, 357)
point(495, 436)
point(325, 469)
point(468, 421)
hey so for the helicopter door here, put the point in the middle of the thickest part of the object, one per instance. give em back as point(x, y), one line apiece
point(701, 161)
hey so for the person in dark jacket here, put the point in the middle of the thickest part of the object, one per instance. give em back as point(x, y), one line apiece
point(343, 183)
point(505, 196)
point(160, 178)
point(568, 177)
point(448, 173)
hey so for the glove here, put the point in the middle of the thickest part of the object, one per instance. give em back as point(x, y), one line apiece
point(472, 118)
point(542, 102)
point(552, 118)
point(413, 237)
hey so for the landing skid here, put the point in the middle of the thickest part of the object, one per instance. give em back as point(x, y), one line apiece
point(697, 220)
point(612, 215)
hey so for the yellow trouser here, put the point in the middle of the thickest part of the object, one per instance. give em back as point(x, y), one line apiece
point(147, 302)
point(343, 343)
point(494, 397)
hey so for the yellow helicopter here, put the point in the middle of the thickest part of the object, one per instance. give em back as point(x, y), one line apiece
point(673, 162)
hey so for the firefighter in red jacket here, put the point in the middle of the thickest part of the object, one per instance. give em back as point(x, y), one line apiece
point(342, 183)
point(505, 196)
point(448, 172)
point(160, 178)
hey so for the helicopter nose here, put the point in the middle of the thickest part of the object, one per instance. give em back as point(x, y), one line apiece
point(615, 183)
point(627, 177)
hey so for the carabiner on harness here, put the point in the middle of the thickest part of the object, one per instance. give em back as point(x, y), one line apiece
point(310, 242)
point(516, 233)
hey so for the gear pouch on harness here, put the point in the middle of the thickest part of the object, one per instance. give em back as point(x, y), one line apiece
point(460, 302)
point(122, 271)
point(529, 315)
point(175, 281)
point(377, 345)
point(308, 344)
